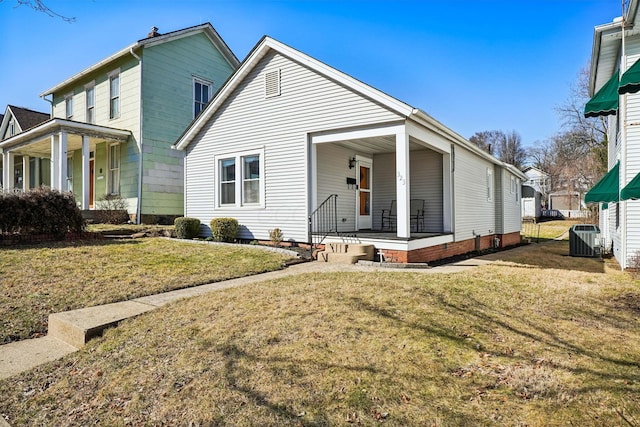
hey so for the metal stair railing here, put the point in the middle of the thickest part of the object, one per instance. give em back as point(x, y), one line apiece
point(324, 220)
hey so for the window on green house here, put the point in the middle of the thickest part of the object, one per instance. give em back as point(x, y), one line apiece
point(201, 95)
point(114, 169)
point(114, 95)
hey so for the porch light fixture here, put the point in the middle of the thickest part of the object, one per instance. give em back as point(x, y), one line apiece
point(352, 163)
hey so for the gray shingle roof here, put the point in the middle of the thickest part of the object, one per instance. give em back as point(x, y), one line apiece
point(28, 118)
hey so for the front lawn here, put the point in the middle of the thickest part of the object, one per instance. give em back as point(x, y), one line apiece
point(44, 279)
point(526, 341)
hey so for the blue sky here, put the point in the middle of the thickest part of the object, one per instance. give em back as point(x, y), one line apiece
point(473, 65)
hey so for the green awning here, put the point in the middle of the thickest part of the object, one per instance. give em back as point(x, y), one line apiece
point(630, 80)
point(605, 190)
point(632, 189)
point(605, 101)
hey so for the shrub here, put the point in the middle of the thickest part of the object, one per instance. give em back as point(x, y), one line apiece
point(111, 209)
point(186, 228)
point(40, 211)
point(224, 229)
point(276, 236)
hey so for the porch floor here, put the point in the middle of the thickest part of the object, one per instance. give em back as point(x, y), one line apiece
point(383, 235)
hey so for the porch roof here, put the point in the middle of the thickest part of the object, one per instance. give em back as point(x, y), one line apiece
point(36, 139)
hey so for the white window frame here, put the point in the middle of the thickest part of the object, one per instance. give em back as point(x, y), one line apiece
point(489, 184)
point(90, 109)
point(114, 114)
point(70, 173)
point(239, 179)
point(113, 184)
point(203, 105)
point(12, 127)
point(68, 106)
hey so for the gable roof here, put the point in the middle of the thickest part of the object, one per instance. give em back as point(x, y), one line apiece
point(205, 28)
point(267, 44)
point(25, 118)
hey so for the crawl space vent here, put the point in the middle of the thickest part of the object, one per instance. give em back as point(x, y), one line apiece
point(272, 83)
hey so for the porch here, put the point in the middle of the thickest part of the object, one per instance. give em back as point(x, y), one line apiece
point(384, 184)
point(64, 155)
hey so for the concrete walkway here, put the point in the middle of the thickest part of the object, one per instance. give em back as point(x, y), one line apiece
point(70, 330)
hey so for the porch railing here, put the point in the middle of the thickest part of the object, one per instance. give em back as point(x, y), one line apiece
point(324, 220)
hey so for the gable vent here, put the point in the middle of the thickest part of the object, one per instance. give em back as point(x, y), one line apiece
point(272, 83)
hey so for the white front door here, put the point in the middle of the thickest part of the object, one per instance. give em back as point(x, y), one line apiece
point(363, 194)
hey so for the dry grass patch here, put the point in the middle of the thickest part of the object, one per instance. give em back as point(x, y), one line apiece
point(505, 344)
point(549, 230)
point(39, 280)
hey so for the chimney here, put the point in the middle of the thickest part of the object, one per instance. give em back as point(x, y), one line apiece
point(154, 32)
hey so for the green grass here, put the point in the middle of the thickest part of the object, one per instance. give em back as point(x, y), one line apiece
point(39, 280)
point(528, 340)
point(548, 230)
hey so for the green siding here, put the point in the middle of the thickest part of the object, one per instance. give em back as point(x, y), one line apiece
point(168, 72)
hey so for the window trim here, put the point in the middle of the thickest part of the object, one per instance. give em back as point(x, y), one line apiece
point(111, 190)
point(68, 106)
point(204, 82)
point(239, 179)
point(90, 86)
point(489, 185)
point(112, 75)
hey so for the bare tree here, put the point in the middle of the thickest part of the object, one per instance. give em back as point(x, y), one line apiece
point(505, 146)
point(39, 6)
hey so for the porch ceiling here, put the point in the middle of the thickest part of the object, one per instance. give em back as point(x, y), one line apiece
point(42, 147)
point(377, 144)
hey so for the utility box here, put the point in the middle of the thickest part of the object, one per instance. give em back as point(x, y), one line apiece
point(584, 240)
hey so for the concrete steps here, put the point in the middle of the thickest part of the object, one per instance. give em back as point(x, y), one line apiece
point(346, 253)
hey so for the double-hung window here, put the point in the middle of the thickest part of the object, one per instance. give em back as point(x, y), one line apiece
point(68, 106)
point(201, 95)
point(114, 95)
point(241, 179)
point(114, 169)
point(90, 92)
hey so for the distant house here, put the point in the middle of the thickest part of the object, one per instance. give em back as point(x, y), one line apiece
point(531, 203)
point(290, 141)
point(615, 88)
point(112, 124)
point(538, 179)
point(25, 171)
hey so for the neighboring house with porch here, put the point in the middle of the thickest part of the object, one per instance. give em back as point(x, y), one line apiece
point(112, 124)
point(16, 120)
point(615, 85)
point(289, 139)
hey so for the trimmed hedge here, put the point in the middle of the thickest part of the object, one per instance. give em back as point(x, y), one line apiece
point(187, 228)
point(40, 211)
point(224, 229)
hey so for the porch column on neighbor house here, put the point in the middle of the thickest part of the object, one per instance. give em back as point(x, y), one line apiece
point(63, 161)
point(402, 183)
point(26, 175)
point(85, 172)
point(7, 170)
point(55, 161)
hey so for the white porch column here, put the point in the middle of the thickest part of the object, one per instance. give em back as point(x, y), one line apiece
point(85, 172)
point(63, 161)
point(55, 161)
point(7, 170)
point(26, 175)
point(403, 193)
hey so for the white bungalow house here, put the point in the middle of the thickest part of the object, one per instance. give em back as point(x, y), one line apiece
point(293, 143)
point(615, 85)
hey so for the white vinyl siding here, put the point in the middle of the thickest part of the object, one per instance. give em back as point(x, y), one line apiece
point(309, 103)
point(473, 212)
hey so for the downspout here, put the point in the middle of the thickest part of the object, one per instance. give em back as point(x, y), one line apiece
point(50, 101)
point(623, 151)
point(140, 142)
